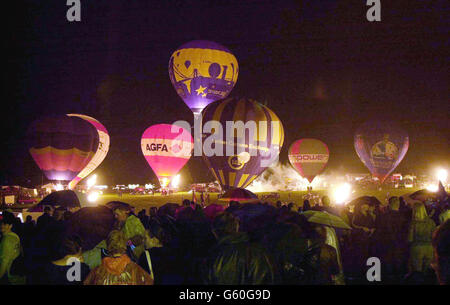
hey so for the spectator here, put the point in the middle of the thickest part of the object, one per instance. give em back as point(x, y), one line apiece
point(306, 205)
point(391, 244)
point(133, 229)
point(441, 246)
point(57, 271)
point(44, 220)
point(9, 247)
point(117, 268)
point(419, 237)
point(326, 260)
point(235, 260)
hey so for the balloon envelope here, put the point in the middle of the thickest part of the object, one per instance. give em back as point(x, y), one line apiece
point(381, 146)
point(62, 146)
point(238, 163)
point(202, 72)
point(309, 157)
point(167, 148)
point(100, 154)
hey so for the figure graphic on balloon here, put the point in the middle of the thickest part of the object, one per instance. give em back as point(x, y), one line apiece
point(202, 72)
point(167, 148)
point(384, 150)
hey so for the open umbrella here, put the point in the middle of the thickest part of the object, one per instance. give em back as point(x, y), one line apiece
point(370, 200)
point(325, 218)
point(119, 204)
point(66, 199)
point(239, 194)
point(423, 195)
point(167, 209)
point(254, 216)
point(91, 224)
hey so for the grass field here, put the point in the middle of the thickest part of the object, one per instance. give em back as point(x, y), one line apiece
point(146, 201)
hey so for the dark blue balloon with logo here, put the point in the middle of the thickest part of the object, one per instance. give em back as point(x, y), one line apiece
point(381, 146)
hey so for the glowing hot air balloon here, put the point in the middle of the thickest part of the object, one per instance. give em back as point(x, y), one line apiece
point(62, 146)
point(381, 146)
point(238, 163)
point(202, 72)
point(100, 154)
point(309, 157)
point(167, 148)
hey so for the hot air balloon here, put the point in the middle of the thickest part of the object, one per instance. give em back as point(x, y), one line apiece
point(62, 146)
point(100, 154)
point(238, 163)
point(381, 146)
point(309, 157)
point(167, 148)
point(202, 72)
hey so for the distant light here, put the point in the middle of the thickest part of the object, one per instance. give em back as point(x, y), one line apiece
point(175, 181)
point(432, 188)
point(91, 181)
point(442, 175)
point(149, 186)
point(100, 187)
point(164, 182)
point(133, 186)
point(342, 193)
point(93, 196)
point(59, 187)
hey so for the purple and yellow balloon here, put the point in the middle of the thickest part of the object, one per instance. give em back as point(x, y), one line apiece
point(202, 72)
point(250, 154)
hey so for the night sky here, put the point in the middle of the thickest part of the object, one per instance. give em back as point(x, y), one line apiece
point(319, 65)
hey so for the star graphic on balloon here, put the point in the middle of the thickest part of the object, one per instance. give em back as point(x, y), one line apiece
point(200, 90)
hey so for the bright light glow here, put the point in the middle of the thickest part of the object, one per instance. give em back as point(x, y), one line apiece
point(100, 187)
point(133, 186)
point(175, 181)
point(432, 188)
point(93, 196)
point(164, 182)
point(342, 193)
point(442, 175)
point(59, 187)
point(91, 181)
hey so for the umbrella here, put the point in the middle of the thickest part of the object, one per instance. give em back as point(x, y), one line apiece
point(167, 209)
point(424, 195)
point(239, 194)
point(66, 199)
point(325, 218)
point(91, 224)
point(119, 204)
point(254, 216)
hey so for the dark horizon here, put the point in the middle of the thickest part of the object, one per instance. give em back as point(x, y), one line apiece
point(321, 67)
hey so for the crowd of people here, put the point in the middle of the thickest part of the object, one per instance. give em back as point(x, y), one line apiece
point(240, 243)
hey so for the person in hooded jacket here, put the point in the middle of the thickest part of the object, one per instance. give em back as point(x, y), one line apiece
point(235, 260)
point(118, 268)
